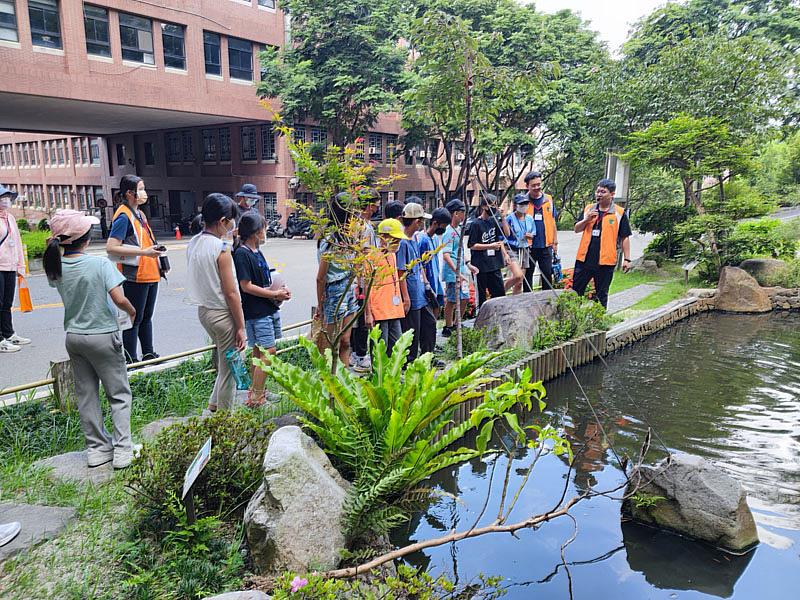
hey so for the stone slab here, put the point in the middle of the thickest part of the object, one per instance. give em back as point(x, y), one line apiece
point(626, 298)
point(72, 468)
point(244, 595)
point(39, 524)
point(151, 430)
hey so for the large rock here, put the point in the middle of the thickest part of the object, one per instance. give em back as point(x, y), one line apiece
point(293, 522)
point(39, 523)
point(762, 268)
point(738, 291)
point(699, 500)
point(72, 468)
point(245, 595)
point(512, 320)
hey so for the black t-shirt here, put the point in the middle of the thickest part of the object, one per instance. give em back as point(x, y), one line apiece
point(252, 266)
point(593, 253)
point(485, 231)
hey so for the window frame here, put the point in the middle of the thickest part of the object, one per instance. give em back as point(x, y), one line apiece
point(268, 143)
point(152, 154)
point(176, 58)
point(174, 146)
point(207, 45)
point(252, 143)
point(9, 24)
point(187, 145)
point(235, 59)
point(40, 36)
point(101, 47)
point(224, 139)
point(134, 50)
point(210, 144)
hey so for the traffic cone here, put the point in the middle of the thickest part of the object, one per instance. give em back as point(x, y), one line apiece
point(178, 232)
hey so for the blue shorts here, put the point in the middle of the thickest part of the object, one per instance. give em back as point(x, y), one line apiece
point(333, 292)
point(450, 292)
point(264, 331)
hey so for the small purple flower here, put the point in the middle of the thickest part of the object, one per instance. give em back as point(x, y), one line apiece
point(298, 583)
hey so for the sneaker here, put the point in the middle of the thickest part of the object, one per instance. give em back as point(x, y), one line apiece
point(6, 346)
point(354, 358)
point(447, 331)
point(363, 365)
point(124, 458)
point(8, 531)
point(150, 356)
point(98, 458)
point(18, 340)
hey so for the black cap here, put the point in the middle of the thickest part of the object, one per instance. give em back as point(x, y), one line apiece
point(248, 191)
point(454, 205)
point(441, 215)
point(521, 199)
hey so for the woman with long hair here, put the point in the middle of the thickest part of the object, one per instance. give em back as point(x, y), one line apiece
point(213, 287)
point(132, 244)
point(12, 264)
point(94, 343)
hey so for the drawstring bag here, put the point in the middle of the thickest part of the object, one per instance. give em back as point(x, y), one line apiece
point(25, 304)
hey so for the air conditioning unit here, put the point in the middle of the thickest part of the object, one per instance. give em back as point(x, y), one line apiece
point(294, 183)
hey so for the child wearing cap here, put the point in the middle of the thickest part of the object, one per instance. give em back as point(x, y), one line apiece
point(385, 305)
point(88, 285)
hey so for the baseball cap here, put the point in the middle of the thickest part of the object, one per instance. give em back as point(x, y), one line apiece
point(441, 215)
point(68, 225)
point(454, 205)
point(4, 191)
point(522, 199)
point(392, 227)
point(248, 191)
point(412, 210)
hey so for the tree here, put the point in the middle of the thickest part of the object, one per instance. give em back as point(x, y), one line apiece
point(342, 68)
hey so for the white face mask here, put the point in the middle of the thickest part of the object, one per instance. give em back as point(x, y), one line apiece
point(141, 195)
point(251, 202)
point(5, 203)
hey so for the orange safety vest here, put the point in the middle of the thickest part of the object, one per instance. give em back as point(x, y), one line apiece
point(547, 215)
point(139, 269)
point(609, 231)
point(384, 291)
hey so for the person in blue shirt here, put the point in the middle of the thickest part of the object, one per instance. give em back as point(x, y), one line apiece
point(434, 290)
point(419, 317)
point(523, 233)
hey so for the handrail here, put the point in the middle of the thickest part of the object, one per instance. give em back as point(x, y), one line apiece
point(144, 363)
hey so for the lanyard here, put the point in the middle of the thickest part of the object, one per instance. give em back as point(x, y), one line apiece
point(262, 263)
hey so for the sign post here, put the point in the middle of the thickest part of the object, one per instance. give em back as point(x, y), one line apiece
point(192, 472)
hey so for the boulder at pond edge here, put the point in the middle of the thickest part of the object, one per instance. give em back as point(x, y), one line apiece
point(698, 500)
point(762, 268)
point(738, 291)
point(512, 320)
point(293, 522)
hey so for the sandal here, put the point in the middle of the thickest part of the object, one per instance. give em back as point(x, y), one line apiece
point(256, 401)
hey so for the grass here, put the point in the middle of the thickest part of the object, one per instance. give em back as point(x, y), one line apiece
point(671, 290)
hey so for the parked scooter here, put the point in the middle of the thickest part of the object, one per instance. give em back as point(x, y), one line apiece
point(297, 226)
point(275, 229)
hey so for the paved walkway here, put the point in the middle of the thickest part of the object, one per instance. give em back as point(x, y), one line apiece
point(627, 298)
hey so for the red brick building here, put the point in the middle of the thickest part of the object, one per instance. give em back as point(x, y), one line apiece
point(162, 90)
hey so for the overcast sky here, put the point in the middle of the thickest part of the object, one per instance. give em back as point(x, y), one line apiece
point(612, 18)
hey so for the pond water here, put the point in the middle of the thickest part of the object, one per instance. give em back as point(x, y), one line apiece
point(726, 387)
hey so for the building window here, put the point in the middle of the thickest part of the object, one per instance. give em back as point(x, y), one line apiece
point(319, 136)
point(299, 133)
point(248, 143)
point(45, 23)
point(95, 146)
point(187, 141)
point(211, 51)
point(26, 159)
point(120, 155)
point(95, 23)
point(8, 21)
point(174, 53)
point(267, 142)
point(225, 144)
point(149, 154)
point(53, 161)
point(174, 147)
point(209, 145)
point(61, 153)
point(85, 151)
point(240, 59)
point(375, 147)
point(271, 205)
point(136, 35)
point(267, 3)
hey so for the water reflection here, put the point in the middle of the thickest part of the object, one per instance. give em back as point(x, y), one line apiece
point(722, 386)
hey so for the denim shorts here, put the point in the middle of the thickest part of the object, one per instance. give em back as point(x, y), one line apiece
point(450, 292)
point(333, 292)
point(264, 331)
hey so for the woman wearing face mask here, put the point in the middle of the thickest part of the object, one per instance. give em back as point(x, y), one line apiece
point(12, 263)
point(214, 289)
point(132, 245)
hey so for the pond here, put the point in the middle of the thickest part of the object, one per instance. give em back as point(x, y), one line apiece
point(726, 387)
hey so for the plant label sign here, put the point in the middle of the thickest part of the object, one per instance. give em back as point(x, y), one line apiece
point(196, 467)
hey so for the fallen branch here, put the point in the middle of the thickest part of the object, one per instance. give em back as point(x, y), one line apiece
point(494, 527)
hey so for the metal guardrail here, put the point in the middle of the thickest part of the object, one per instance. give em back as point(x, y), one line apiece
point(145, 363)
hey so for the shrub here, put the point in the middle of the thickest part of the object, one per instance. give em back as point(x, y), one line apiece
point(233, 472)
point(662, 219)
point(23, 225)
point(764, 238)
point(36, 242)
point(577, 316)
point(43, 225)
point(388, 432)
point(788, 276)
point(472, 340)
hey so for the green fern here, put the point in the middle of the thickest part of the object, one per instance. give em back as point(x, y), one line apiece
point(387, 431)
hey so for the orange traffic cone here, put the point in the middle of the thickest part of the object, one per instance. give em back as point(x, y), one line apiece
point(178, 232)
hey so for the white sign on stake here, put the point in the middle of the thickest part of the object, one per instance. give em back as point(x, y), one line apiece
point(196, 467)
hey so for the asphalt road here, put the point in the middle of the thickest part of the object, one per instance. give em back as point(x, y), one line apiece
point(176, 327)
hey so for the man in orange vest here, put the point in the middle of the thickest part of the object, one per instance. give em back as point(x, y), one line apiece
point(604, 226)
point(545, 242)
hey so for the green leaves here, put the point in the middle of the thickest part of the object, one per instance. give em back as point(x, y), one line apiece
point(394, 428)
